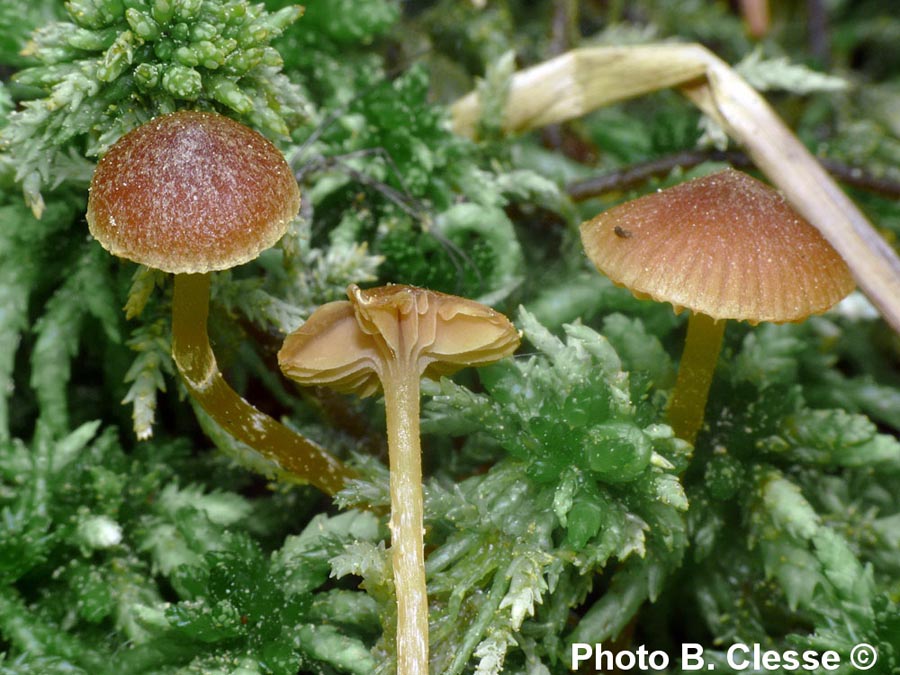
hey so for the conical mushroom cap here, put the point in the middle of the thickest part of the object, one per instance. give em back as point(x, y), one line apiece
point(724, 245)
point(352, 345)
point(191, 192)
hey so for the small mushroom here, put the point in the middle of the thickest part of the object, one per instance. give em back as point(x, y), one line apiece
point(190, 193)
point(392, 336)
point(724, 246)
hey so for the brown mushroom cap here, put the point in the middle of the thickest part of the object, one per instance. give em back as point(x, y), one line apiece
point(347, 344)
point(725, 245)
point(191, 192)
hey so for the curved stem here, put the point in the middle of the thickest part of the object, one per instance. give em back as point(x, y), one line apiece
point(698, 362)
point(401, 397)
point(196, 362)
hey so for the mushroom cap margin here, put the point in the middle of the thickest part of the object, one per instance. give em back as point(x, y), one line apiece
point(725, 245)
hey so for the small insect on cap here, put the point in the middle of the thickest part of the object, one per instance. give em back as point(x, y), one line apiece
point(725, 245)
point(191, 192)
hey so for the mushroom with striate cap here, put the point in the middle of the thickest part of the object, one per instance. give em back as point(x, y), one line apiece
point(725, 246)
point(391, 336)
point(191, 193)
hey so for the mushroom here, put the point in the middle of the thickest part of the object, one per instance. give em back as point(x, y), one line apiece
point(724, 246)
point(392, 336)
point(191, 193)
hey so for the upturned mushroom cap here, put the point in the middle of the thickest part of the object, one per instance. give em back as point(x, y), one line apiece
point(347, 345)
point(724, 245)
point(191, 192)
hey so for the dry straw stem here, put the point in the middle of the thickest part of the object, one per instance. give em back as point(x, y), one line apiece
point(584, 79)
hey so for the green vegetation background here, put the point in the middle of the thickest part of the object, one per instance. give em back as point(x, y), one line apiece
point(559, 507)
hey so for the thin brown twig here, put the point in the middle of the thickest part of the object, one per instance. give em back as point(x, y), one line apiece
point(563, 34)
point(632, 176)
point(756, 17)
point(817, 26)
point(563, 26)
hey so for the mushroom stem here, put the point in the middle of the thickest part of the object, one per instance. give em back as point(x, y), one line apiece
point(698, 362)
point(392, 336)
point(401, 397)
point(197, 364)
